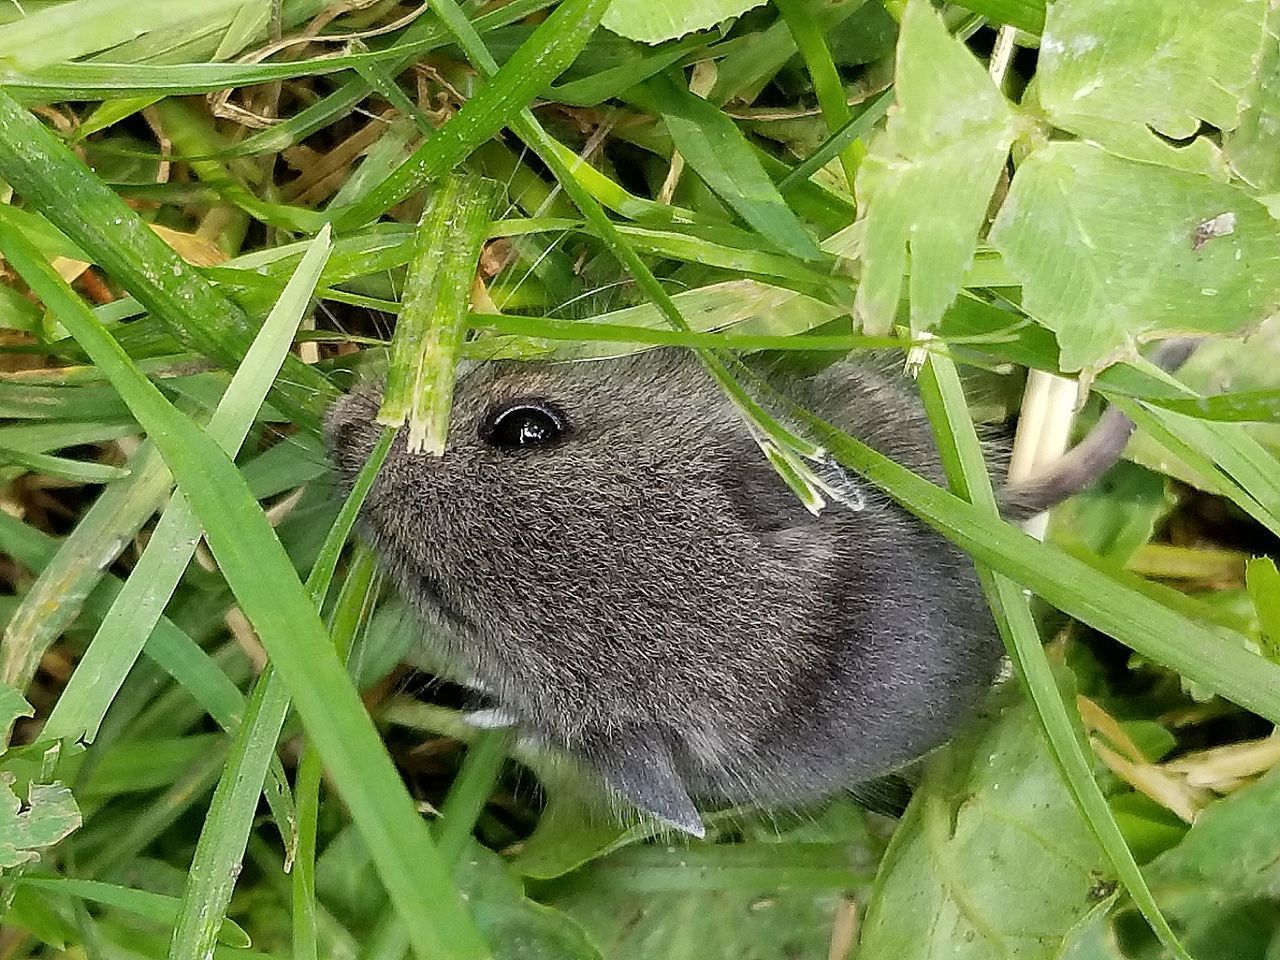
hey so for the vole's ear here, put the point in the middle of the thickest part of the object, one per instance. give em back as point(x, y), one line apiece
point(643, 771)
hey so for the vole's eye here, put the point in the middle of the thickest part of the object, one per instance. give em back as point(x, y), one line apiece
point(523, 423)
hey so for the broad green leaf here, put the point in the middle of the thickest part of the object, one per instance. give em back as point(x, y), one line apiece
point(1117, 516)
point(1251, 147)
point(1111, 69)
point(766, 901)
point(1203, 256)
point(1218, 884)
point(927, 180)
point(656, 20)
point(12, 706)
point(992, 859)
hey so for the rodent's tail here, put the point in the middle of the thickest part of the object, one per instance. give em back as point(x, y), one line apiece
point(1083, 464)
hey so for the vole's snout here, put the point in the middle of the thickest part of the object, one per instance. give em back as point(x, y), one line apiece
point(350, 430)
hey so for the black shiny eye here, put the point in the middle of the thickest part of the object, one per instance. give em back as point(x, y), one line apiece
point(523, 423)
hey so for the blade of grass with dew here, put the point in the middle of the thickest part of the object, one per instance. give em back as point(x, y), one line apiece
point(153, 906)
point(966, 471)
point(264, 582)
point(827, 85)
point(172, 649)
point(54, 181)
point(554, 44)
point(774, 439)
point(139, 605)
point(433, 315)
point(1074, 587)
point(349, 612)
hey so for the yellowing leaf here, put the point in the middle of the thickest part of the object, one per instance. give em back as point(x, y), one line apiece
point(927, 180)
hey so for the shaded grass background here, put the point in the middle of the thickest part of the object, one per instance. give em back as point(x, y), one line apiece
point(199, 239)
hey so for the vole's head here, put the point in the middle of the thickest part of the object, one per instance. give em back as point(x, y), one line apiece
point(559, 483)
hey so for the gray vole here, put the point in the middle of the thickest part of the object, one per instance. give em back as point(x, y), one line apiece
point(605, 549)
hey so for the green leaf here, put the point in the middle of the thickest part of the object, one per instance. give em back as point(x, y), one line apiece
point(1263, 581)
point(718, 152)
point(1204, 256)
point(1117, 516)
point(69, 31)
point(1111, 69)
point(1218, 884)
point(927, 179)
point(27, 827)
point(766, 901)
point(1251, 147)
point(656, 20)
point(992, 859)
point(154, 906)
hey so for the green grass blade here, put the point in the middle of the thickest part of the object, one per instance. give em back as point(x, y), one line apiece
point(467, 796)
point(269, 593)
point(55, 599)
point(827, 84)
point(77, 471)
point(719, 153)
point(153, 906)
point(852, 130)
point(215, 866)
point(56, 183)
point(966, 470)
point(433, 314)
point(553, 46)
point(123, 632)
point(173, 650)
point(358, 591)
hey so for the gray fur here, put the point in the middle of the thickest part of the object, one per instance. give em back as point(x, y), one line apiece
point(649, 597)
